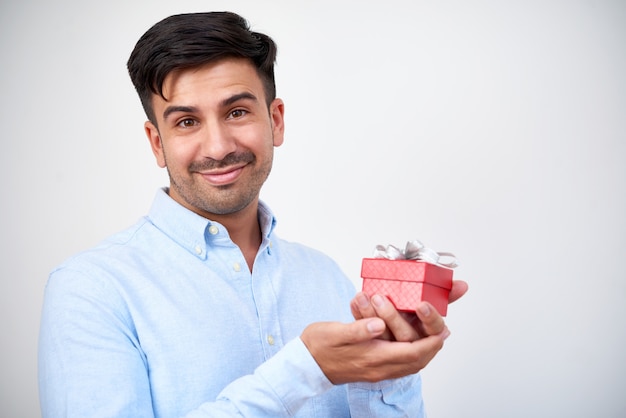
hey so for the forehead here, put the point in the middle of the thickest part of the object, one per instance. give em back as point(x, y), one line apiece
point(212, 80)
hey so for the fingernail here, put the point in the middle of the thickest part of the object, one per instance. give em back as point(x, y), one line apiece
point(362, 301)
point(378, 301)
point(445, 334)
point(375, 326)
point(424, 309)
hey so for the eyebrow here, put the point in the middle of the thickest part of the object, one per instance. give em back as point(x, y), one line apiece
point(226, 102)
point(173, 109)
point(239, 96)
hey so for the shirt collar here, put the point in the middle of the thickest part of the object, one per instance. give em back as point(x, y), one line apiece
point(267, 220)
point(197, 233)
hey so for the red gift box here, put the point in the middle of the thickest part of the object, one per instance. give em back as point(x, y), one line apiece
point(407, 282)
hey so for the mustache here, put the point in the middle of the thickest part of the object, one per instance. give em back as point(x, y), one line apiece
point(230, 159)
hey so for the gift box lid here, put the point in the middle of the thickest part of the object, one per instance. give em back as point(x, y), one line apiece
point(407, 270)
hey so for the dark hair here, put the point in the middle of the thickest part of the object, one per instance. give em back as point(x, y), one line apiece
point(190, 40)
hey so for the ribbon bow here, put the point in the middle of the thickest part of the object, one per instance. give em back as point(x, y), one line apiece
point(415, 250)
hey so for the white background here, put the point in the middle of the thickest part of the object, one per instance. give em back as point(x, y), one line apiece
point(492, 129)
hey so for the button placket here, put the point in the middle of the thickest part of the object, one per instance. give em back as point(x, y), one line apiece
point(266, 305)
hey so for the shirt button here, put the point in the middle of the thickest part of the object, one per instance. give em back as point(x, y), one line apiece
point(237, 267)
point(270, 340)
point(198, 249)
point(213, 230)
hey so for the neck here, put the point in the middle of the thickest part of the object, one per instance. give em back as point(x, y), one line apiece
point(244, 229)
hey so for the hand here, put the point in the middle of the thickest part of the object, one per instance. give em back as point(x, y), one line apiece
point(355, 353)
point(404, 326)
point(400, 326)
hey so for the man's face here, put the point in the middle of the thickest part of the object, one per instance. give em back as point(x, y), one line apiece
point(215, 135)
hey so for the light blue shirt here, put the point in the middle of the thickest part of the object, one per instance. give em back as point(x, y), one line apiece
point(164, 319)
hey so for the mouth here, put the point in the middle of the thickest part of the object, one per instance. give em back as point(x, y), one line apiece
point(223, 176)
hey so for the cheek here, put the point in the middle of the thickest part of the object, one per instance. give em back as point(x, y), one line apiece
point(182, 149)
point(177, 156)
point(260, 141)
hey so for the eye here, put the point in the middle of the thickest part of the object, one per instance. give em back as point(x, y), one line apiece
point(237, 113)
point(187, 123)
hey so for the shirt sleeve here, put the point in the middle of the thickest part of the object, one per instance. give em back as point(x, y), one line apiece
point(278, 388)
point(390, 398)
point(91, 363)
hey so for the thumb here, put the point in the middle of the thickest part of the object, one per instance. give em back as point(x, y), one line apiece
point(339, 334)
point(364, 329)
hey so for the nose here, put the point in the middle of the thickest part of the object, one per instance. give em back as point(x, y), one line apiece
point(216, 141)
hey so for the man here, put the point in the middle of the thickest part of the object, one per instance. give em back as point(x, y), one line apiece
point(199, 309)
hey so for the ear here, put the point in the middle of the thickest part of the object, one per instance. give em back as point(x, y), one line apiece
point(277, 115)
point(152, 132)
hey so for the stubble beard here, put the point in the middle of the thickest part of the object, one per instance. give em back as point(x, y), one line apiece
point(221, 200)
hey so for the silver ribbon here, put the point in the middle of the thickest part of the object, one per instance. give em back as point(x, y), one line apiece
point(415, 250)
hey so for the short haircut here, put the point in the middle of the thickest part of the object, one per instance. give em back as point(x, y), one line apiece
point(191, 40)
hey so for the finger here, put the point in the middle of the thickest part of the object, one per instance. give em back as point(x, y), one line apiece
point(354, 308)
point(337, 334)
point(459, 288)
point(430, 322)
point(361, 306)
point(399, 327)
point(361, 330)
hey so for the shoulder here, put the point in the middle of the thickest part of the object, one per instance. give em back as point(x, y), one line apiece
point(290, 251)
point(93, 265)
point(109, 246)
point(304, 261)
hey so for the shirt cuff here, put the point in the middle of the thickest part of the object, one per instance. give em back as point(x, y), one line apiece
point(389, 398)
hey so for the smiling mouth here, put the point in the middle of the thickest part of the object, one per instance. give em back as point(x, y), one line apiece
point(224, 176)
point(225, 171)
